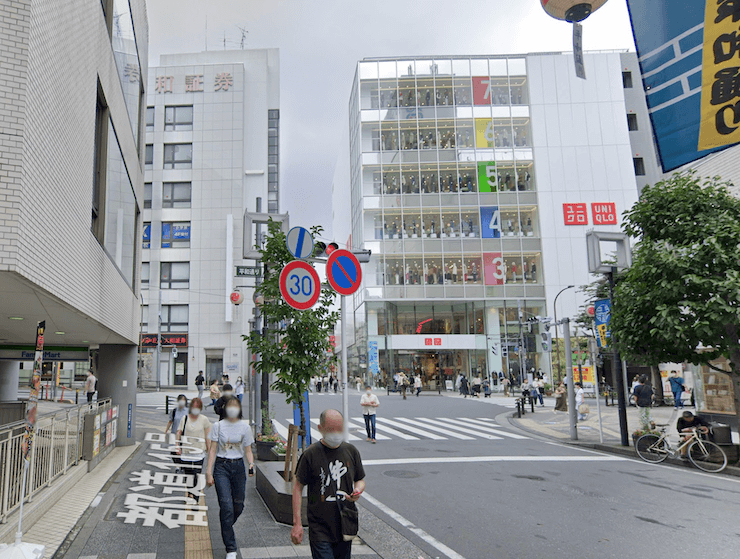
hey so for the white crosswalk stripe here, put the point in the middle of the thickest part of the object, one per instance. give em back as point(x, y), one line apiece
point(418, 428)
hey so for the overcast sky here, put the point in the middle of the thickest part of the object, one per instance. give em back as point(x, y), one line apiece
point(320, 42)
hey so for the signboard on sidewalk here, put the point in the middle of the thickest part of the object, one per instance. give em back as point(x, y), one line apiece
point(602, 317)
point(33, 397)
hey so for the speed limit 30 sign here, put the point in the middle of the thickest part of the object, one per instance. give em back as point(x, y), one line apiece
point(300, 285)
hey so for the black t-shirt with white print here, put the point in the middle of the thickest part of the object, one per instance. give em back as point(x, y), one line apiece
point(322, 469)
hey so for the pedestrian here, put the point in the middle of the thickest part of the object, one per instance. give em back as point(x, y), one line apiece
point(312, 384)
point(580, 405)
point(403, 383)
point(239, 389)
point(91, 385)
point(215, 392)
point(538, 388)
point(506, 382)
point(526, 389)
point(477, 382)
point(677, 388)
point(176, 415)
point(335, 382)
point(195, 428)
point(395, 382)
point(464, 386)
point(332, 470)
point(561, 402)
point(219, 406)
point(200, 382)
point(226, 469)
point(486, 389)
point(635, 382)
point(369, 402)
point(417, 384)
point(644, 397)
point(358, 383)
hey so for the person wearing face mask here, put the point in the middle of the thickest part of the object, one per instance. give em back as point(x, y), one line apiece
point(231, 439)
point(226, 393)
point(196, 428)
point(369, 402)
point(176, 415)
point(332, 470)
point(239, 389)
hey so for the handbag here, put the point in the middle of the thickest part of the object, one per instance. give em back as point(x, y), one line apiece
point(348, 517)
point(583, 409)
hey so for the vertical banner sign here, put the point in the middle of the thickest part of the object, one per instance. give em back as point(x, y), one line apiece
point(602, 317)
point(494, 269)
point(490, 222)
point(720, 83)
point(484, 133)
point(372, 358)
point(33, 397)
point(487, 176)
point(578, 50)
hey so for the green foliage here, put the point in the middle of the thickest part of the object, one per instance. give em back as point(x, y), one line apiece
point(680, 300)
point(297, 345)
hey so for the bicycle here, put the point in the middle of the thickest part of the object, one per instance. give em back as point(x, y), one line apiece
point(705, 455)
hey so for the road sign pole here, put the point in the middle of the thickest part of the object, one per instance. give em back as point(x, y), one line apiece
point(618, 379)
point(569, 381)
point(345, 396)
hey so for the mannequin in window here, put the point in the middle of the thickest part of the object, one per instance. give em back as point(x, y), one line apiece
point(513, 272)
point(428, 97)
point(533, 269)
point(439, 97)
point(470, 226)
point(454, 272)
point(529, 225)
point(510, 225)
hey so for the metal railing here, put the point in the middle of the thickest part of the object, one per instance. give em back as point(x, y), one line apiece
point(57, 446)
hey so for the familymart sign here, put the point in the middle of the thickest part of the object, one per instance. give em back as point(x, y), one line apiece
point(51, 353)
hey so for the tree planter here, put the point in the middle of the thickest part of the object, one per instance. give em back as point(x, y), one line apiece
point(277, 455)
point(278, 493)
point(264, 451)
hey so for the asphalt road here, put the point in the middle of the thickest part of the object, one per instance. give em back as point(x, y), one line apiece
point(460, 485)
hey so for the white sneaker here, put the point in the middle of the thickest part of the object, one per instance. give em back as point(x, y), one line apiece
point(231, 555)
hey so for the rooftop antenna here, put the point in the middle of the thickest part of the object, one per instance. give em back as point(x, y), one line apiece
point(244, 36)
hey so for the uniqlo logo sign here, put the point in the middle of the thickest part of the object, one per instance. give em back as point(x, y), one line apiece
point(604, 213)
point(427, 341)
point(575, 214)
point(437, 341)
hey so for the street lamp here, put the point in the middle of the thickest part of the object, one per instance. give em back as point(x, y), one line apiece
point(557, 344)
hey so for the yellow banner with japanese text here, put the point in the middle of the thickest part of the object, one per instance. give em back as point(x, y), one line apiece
point(720, 91)
point(587, 372)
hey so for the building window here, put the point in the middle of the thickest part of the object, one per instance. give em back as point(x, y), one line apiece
point(272, 206)
point(632, 122)
point(176, 195)
point(148, 154)
point(273, 143)
point(178, 118)
point(639, 166)
point(144, 317)
point(178, 156)
point(147, 236)
point(627, 80)
point(145, 273)
point(99, 164)
point(176, 234)
point(174, 275)
point(174, 318)
point(150, 118)
point(125, 54)
point(147, 195)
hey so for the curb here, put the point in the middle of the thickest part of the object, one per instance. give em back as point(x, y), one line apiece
point(628, 451)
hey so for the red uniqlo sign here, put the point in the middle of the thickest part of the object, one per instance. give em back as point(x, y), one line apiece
point(481, 90)
point(604, 213)
point(575, 214)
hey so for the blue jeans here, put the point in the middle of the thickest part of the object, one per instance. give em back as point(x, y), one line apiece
point(677, 400)
point(329, 550)
point(538, 394)
point(230, 479)
point(370, 425)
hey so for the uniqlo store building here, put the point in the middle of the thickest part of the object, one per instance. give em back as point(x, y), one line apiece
point(473, 182)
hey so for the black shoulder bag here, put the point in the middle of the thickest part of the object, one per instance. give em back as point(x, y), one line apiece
point(348, 516)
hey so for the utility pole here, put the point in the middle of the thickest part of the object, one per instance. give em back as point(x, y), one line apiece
point(621, 400)
point(521, 342)
point(159, 338)
point(569, 381)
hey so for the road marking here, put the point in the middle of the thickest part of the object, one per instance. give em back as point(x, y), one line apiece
point(434, 542)
point(443, 431)
point(381, 426)
point(471, 459)
point(361, 427)
point(414, 430)
point(486, 427)
point(461, 429)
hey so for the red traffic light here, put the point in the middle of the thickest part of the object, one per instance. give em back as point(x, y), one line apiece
point(331, 247)
point(323, 249)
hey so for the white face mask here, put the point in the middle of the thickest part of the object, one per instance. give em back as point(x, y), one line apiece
point(333, 440)
point(232, 412)
point(181, 404)
point(368, 392)
point(195, 411)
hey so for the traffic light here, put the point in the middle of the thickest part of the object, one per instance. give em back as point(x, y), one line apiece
point(546, 341)
point(323, 250)
point(504, 350)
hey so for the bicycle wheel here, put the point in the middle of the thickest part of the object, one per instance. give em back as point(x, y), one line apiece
point(707, 456)
point(652, 448)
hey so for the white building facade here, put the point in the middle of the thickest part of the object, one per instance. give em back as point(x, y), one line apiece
point(212, 153)
point(473, 182)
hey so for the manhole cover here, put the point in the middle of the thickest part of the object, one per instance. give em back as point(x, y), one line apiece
point(404, 474)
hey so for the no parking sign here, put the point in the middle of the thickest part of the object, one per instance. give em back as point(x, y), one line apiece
point(343, 272)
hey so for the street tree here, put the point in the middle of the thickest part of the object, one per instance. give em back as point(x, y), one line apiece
point(297, 343)
point(680, 299)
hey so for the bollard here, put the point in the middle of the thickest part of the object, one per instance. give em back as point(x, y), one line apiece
point(167, 405)
point(531, 401)
point(77, 396)
point(518, 408)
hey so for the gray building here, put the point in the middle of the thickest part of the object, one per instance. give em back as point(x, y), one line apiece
point(212, 153)
point(71, 189)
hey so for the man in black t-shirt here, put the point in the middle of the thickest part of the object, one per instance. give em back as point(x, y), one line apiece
point(644, 397)
point(200, 382)
point(332, 470)
point(686, 423)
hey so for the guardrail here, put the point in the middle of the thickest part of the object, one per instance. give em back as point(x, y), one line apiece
point(57, 446)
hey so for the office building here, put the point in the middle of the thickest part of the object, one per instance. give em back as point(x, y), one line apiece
point(212, 141)
point(71, 190)
point(473, 182)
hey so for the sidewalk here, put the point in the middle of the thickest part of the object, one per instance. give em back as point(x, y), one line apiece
point(142, 515)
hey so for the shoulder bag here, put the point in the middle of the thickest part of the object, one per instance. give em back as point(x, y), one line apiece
point(348, 516)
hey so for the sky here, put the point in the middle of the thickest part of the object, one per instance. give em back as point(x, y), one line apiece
point(320, 42)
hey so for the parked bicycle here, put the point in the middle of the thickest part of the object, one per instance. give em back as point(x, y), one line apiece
point(703, 454)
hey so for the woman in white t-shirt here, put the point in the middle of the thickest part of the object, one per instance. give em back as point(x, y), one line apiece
point(196, 428)
point(233, 439)
point(239, 389)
